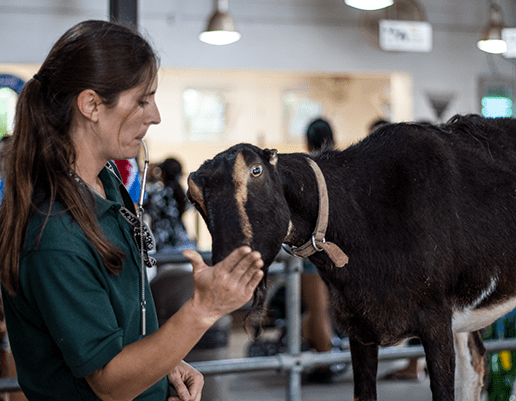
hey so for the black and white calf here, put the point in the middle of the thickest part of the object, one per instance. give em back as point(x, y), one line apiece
point(426, 215)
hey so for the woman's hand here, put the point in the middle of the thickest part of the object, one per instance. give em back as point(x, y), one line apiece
point(218, 290)
point(225, 287)
point(187, 381)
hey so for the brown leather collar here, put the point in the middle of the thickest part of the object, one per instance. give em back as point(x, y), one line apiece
point(318, 243)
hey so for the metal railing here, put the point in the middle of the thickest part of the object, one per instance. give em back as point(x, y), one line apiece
point(293, 361)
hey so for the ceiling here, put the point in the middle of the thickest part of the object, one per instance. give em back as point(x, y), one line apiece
point(444, 15)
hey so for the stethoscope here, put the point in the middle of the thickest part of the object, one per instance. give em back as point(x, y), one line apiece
point(139, 215)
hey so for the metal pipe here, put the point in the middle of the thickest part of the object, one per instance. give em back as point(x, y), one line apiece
point(312, 359)
point(293, 267)
point(304, 360)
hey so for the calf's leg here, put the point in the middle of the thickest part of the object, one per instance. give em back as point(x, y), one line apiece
point(364, 359)
point(469, 372)
point(440, 359)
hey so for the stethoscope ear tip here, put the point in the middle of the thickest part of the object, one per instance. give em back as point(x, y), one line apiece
point(144, 175)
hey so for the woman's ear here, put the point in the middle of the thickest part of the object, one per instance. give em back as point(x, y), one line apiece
point(87, 103)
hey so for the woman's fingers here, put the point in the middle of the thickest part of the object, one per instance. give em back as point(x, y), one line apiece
point(228, 285)
point(195, 258)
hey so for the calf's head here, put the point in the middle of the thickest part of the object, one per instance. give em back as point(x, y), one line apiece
point(240, 197)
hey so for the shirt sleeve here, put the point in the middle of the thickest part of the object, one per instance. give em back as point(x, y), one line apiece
point(72, 295)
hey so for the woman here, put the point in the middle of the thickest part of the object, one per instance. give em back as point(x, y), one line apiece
point(74, 297)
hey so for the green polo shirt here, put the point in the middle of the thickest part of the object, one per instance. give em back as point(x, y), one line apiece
point(72, 316)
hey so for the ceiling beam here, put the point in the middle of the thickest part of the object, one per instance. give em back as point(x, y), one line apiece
point(124, 12)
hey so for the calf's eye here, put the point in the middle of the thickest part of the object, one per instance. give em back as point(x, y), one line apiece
point(256, 171)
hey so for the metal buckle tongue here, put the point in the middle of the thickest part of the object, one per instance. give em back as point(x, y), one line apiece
point(290, 249)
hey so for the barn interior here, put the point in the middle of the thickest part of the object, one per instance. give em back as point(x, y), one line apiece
point(288, 63)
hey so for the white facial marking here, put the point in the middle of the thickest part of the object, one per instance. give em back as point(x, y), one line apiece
point(240, 175)
point(196, 194)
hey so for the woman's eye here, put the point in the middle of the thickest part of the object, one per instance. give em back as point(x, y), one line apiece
point(256, 171)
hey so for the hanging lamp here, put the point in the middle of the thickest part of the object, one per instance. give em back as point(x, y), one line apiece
point(369, 4)
point(491, 40)
point(221, 28)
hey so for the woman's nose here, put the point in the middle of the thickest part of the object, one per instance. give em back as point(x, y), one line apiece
point(155, 116)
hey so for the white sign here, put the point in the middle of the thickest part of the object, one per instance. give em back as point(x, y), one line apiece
point(405, 36)
point(509, 35)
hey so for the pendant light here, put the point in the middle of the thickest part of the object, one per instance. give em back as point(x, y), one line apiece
point(221, 28)
point(491, 40)
point(369, 4)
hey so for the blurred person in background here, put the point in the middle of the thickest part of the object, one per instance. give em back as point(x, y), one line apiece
point(165, 205)
point(377, 123)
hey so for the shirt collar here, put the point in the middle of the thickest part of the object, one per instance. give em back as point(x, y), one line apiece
point(116, 193)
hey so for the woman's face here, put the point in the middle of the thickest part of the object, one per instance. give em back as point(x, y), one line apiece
point(121, 128)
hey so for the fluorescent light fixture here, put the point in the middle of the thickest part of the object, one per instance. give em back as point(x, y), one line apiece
point(369, 4)
point(494, 46)
point(491, 40)
point(221, 28)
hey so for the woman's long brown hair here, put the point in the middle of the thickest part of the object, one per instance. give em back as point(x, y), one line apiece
point(37, 161)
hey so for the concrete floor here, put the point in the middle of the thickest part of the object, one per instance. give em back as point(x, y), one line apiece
point(272, 385)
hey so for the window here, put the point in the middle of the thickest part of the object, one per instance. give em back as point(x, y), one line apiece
point(204, 114)
point(300, 111)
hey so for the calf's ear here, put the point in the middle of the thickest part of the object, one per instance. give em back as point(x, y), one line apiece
point(271, 155)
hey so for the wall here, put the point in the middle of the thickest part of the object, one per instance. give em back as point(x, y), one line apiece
point(255, 107)
point(256, 110)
